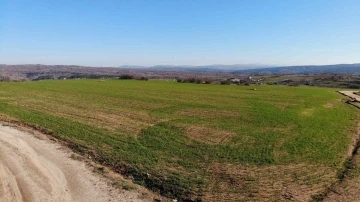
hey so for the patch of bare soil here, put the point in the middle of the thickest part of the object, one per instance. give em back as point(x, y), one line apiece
point(268, 183)
point(308, 111)
point(282, 105)
point(329, 105)
point(349, 187)
point(280, 129)
point(37, 169)
point(206, 113)
point(208, 135)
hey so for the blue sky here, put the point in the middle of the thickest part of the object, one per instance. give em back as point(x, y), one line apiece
point(192, 32)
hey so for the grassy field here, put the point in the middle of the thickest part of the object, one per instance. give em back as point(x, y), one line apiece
point(194, 141)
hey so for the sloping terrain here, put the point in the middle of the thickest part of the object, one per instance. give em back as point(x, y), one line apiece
point(196, 142)
point(46, 72)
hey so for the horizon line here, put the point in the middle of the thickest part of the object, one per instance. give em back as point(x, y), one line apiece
point(190, 66)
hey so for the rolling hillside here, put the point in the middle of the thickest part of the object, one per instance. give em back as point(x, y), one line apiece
point(196, 142)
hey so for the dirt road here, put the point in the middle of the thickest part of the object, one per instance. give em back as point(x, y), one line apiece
point(351, 95)
point(37, 169)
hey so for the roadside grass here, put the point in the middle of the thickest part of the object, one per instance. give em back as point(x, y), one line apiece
point(141, 129)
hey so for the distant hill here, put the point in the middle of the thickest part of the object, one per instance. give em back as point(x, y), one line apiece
point(309, 69)
point(259, 69)
point(209, 68)
point(40, 72)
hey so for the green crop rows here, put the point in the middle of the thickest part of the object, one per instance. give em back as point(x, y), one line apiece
point(167, 135)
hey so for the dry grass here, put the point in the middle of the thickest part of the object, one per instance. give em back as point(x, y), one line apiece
point(308, 111)
point(208, 135)
point(206, 113)
point(131, 122)
point(348, 188)
point(329, 105)
point(268, 183)
point(283, 105)
point(280, 129)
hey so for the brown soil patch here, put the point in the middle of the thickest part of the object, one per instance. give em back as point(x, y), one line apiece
point(354, 139)
point(282, 106)
point(268, 183)
point(208, 135)
point(125, 121)
point(349, 188)
point(329, 105)
point(206, 113)
point(308, 112)
point(129, 122)
point(280, 129)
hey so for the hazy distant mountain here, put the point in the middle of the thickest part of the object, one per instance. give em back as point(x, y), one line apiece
point(38, 71)
point(132, 66)
point(308, 69)
point(41, 72)
point(260, 69)
point(209, 68)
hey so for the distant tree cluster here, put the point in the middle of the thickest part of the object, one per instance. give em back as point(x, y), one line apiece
point(243, 81)
point(5, 78)
point(126, 77)
point(142, 78)
point(132, 77)
point(44, 77)
point(225, 82)
point(355, 84)
point(194, 80)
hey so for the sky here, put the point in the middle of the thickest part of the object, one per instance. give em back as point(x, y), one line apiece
point(179, 32)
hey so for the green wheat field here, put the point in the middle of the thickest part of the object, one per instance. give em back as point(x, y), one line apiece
point(196, 141)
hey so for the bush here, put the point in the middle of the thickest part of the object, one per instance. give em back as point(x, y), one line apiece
point(354, 86)
point(225, 82)
point(190, 80)
point(207, 81)
point(180, 80)
point(126, 76)
point(142, 78)
point(194, 80)
point(355, 82)
point(199, 81)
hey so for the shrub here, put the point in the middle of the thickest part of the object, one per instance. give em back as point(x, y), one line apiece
point(199, 81)
point(225, 82)
point(354, 86)
point(126, 76)
point(190, 80)
point(142, 78)
point(207, 81)
point(194, 80)
point(180, 80)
